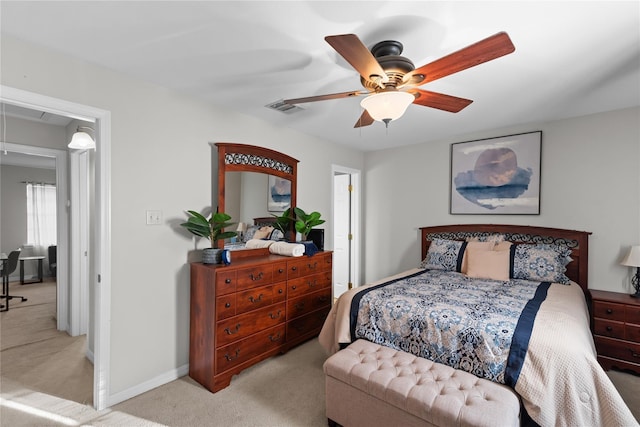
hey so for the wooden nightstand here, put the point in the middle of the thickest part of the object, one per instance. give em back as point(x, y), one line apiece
point(616, 330)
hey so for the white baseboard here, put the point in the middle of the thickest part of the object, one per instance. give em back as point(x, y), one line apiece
point(144, 387)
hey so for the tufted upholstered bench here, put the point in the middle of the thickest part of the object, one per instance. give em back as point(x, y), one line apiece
point(371, 385)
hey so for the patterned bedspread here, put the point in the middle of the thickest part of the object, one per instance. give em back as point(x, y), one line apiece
point(446, 317)
point(560, 381)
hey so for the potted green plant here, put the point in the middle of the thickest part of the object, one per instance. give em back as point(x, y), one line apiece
point(212, 229)
point(305, 222)
point(283, 223)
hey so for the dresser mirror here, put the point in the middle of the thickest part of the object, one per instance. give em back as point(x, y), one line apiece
point(254, 182)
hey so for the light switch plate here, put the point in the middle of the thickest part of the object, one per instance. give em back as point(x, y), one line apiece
point(154, 217)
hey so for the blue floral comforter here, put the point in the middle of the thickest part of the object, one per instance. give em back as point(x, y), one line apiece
point(475, 325)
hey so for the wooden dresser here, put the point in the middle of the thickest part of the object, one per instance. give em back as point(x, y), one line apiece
point(252, 309)
point(616, 329)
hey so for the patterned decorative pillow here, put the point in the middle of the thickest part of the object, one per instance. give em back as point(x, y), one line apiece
point(276, 235)
point(445, 255)
point(251, 230)
point(541, 262)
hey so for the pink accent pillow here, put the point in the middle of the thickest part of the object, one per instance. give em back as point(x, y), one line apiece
point(474, 247)
point(489, 265)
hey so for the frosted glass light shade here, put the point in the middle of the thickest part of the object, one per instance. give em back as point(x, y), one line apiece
point(386, 106)
point(82, 141)
point(633, 257)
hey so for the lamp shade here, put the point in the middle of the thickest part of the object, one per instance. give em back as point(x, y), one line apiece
point(242, 227)
point(387, 106)
point(82, 141)
point(633, 257)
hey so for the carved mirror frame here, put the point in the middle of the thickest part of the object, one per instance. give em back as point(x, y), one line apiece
point(234, 157)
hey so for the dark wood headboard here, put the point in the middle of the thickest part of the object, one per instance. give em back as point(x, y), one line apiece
point(577, 241)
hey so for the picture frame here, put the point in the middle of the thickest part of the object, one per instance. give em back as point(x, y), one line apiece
point(278, 194)
point(496, 176)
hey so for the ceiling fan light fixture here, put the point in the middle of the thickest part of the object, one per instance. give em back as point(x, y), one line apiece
point(387, 106)
point(82, 140)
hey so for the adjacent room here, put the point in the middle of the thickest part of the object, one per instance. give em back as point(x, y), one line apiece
point(275, 213)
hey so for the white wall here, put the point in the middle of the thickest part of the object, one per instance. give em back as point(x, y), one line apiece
point(160, 160)
point(590, 182)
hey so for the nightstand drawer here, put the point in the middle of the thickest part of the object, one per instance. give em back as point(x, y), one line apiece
point(632, 333)
point(609, 328)
point(618, 349)
point(609, 310)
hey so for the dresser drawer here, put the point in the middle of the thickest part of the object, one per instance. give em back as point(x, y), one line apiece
point(618, 349)
point(225, 282)
point(609, 310)
point(314, 282)
point(238, 327)
point(608, 328)
point(309, 302)
point(234, 354)
point(308, 324)
point(254, 276)
point(225, 306)
point(255, 298)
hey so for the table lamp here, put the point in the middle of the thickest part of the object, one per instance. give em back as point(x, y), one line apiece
point(242, 228)
point(633, 260)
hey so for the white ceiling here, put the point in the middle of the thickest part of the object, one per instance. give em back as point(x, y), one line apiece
point(572, 58)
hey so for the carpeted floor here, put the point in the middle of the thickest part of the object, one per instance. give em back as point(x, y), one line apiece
point(47, 381)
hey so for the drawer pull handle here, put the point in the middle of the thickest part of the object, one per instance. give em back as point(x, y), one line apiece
point(281, 270)
point(257, 277)
point(294, 287)
point(230, 332)
point(294, 268)
point(230, 358)
point(323, 298)
point(227, 305)
point(609, 329)
point(276, 338)
point(634, 354)
point(311, 285)
point(255, 300)
point(275, 316)
point(227, 281)
point(312, 267)
point(609, 311)
point(300, 305)
point(280, 291)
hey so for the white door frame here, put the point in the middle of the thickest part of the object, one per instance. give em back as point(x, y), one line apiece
point(62, 224)
point(356, 201)
point(102, 244)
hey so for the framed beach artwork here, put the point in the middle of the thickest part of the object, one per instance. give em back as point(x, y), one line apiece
point(279, 194)
point(496, 175)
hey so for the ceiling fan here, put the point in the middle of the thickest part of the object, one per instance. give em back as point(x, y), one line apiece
point(391, 81)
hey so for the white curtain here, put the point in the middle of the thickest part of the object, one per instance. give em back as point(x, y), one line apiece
point(41, 215)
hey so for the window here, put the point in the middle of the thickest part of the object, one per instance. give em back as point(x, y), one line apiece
point(41, 214)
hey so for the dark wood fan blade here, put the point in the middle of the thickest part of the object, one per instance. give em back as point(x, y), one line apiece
point(356, 53)
point(440, 101)
point(364, 120)
point(324, 97)
point(483, 51)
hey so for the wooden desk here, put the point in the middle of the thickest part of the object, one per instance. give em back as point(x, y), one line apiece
point(31, 258)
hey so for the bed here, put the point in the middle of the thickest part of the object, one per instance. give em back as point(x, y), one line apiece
point(504, 302)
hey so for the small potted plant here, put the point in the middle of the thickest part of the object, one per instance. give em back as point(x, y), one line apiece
point(283, 223)
point(305, 222)
point(212, 229)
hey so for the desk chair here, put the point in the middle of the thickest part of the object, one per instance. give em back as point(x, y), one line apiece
point(9, 267)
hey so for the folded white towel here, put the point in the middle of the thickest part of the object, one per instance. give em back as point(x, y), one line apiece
point(258, 243)
point(287, 249)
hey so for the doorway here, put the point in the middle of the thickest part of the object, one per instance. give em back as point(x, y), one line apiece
point(101, 260)
point(346, 229)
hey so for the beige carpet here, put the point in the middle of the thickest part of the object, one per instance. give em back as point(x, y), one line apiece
point(41, 384)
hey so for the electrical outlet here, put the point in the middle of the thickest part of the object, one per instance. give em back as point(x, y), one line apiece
point(154, 217)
